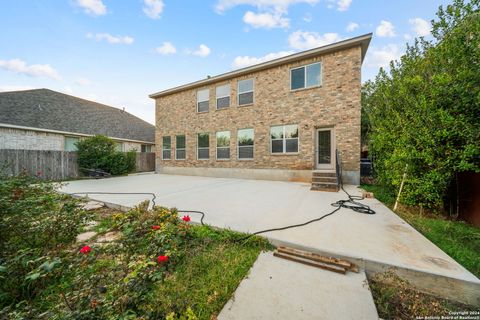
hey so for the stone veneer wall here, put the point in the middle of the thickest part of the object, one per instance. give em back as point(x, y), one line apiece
point(335, 104)
point(30, 140)
point(11, 138)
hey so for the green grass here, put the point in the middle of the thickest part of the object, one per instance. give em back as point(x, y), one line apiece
point(458, 239)
point(207, 279)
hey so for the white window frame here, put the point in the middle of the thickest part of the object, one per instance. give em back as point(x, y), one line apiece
point(169, 150)
point(176, 148)
point(305, 76)
point(252, 91)
point(284, 147)
point(224, 96)
point(198, 146)
point(147, 147)
point(207, 100)
point(229, 144)
point(238, 146)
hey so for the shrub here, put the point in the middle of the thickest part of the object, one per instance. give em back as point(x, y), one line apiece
point(35, 222)
point(98, 152)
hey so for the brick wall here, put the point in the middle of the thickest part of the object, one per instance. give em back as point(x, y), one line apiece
point(335, 104)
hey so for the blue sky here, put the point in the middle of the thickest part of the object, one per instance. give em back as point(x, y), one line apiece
point(118, 52)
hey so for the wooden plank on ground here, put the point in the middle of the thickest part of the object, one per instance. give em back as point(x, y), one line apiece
point(319, 258)
point(312, 263)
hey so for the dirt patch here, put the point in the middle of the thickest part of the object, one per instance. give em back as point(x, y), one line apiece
point(398, 299)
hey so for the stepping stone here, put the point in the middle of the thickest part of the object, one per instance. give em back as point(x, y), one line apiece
point(109, 237)
point(92, 205)
point(82, 237)
point(90, 225)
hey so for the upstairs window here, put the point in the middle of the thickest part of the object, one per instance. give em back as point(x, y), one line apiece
point(306, 76)
point(223, 96)
point(223, 145)
point(166, 148)
point(284, 139)
point(203, 146)
point(245, 92)
point(180, 150)
point(245, 144)
point(203, 97)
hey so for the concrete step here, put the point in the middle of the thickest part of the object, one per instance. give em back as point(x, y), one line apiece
point(324, 179)
point(324, 173)
point(327, 189)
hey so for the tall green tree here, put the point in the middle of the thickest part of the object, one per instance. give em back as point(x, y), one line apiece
point(425, 112)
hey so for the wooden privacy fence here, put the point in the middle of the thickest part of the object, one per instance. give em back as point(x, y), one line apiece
point(55, 165)
point(145, 162)
point(47, 164)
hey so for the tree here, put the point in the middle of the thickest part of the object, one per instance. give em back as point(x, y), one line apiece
point(425, 111)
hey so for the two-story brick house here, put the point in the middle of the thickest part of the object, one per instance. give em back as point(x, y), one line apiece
point(280, 120)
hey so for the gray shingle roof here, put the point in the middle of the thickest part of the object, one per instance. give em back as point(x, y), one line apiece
point(47, 109)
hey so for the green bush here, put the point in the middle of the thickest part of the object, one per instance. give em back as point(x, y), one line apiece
point(35, 223)
point(98, 152)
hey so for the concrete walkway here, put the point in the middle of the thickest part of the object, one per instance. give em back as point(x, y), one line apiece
point(279, 289)
point(375, 242)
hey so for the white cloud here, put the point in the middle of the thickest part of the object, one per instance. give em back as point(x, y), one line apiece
point(303, 40)
point(110, 39)
point(166, 48)
point(385, 29)
point(343, 5)
point(280, 5)
point(33, 70)
point(82, 81)
point(202, 51)
point(15, 88)
point(153, 8)
point(245, 61)
point(381, 57)
point(93, 7)
point(407, 36)
point(266, 20)
point(352, 26)
point(420, 26)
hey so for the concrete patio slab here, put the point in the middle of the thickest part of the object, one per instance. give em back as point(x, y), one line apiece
point(375, 242)
point(279, 289)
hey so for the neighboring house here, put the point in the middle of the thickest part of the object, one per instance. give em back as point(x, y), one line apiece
point(43, 119)
point(280, 119)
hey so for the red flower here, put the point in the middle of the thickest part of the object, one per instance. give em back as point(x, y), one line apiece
point(186, 218)
point(156, 227)
point(85, 250)
point(162, 259)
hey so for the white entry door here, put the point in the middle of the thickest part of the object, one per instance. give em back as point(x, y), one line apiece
point(325, 149)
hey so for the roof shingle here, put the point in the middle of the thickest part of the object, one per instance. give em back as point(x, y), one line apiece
point(47, 109)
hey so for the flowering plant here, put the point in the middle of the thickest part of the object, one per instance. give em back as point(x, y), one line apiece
point(85, 249)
